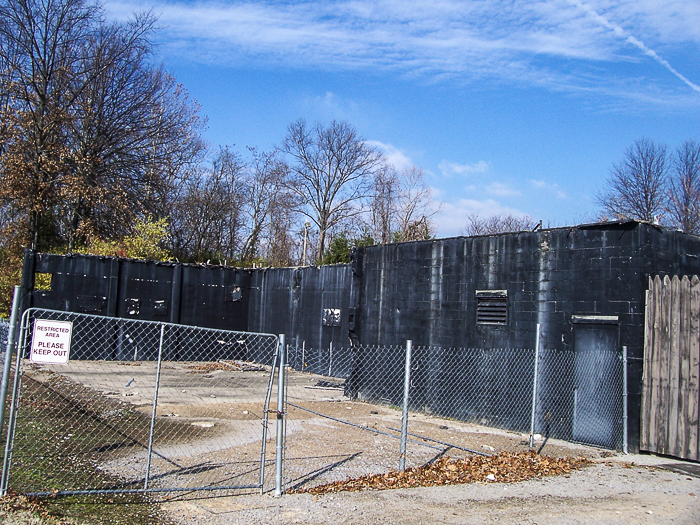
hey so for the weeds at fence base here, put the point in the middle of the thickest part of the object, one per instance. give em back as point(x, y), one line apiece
point(504, 468)
point(101, 510)
point(48, 458)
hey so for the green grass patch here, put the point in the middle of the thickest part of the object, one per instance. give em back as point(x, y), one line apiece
point(65, 433)
point(87, 509)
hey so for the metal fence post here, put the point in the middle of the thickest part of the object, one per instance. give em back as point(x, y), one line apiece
point(14, 318)
point(624, 401)
point(153, 412)
point(11, 336)
point(12, 419)
point(330, 359)
point(404, 416)
point(534, 388)
point(266, 413)
point(280, 417)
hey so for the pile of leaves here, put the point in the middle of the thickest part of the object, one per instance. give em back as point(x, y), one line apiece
point(238, 366)
point(13, 502)
point(504, 468)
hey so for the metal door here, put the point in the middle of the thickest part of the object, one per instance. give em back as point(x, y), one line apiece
point(598, 381)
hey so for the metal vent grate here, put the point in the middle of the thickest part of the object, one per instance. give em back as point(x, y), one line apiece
point(492, 307)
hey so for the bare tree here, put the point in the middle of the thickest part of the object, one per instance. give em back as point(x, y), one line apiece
point(132, 134)
point(281, 244)
point(382, 214)
point(331, 172)
point(414, 207)
point(266, 192)
point(197, 221)
point(400, 207)
point(637, 186)
point(684, 188)
point(498, 224)
point(229, 170)
point(41, 51)
point(206, 221)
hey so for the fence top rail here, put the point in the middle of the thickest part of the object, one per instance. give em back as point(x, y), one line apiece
point(30, 311)
point(473, 348)
point(452, 349)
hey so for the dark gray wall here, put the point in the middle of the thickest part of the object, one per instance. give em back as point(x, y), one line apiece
point(187, 294)
point(270, 300)
point(424, 291)
point(292, 301)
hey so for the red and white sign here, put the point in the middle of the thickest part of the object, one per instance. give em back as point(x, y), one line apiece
point(51, 342)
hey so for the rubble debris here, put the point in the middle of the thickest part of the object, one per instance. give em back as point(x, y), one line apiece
point(238, 366)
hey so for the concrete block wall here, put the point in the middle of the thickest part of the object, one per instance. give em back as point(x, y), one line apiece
point(292, 301)
point(426, 291)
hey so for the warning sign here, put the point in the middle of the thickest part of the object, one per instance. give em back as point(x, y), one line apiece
point(51, 341)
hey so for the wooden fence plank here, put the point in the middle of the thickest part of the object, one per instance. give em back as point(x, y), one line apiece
point(671, 377)
point(651, 363)
point(693, 378)
point(661, 368)
point(650, 303)
point(673, 360)
point(677, 439)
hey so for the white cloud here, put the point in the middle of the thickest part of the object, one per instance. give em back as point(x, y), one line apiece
point(449, 169)
point(452, 219)
point(469, 41)
point(330, 106)
point(660, 21)
point(437, 193)
point(396, 157)
point(551, 188)
point(502, 190)
point(618, 31)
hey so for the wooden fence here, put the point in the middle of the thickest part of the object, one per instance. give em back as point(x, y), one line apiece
point(670, 395)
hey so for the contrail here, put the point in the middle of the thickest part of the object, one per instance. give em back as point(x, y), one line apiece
point(619, 31)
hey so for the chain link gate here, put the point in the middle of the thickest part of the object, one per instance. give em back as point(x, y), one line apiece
point(141, 406)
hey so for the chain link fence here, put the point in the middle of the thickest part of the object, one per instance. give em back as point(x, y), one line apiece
point(580, 397)
point(348, 422)
point(140, 406)
point(145, 406)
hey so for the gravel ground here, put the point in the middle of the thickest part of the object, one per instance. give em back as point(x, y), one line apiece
point(625, 490)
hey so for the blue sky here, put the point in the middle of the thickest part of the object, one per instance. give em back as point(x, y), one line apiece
point(513, 106)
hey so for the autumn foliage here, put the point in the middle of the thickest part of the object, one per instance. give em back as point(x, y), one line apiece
point(502, 468)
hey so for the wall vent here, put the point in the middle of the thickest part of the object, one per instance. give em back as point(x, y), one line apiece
point(492, 307)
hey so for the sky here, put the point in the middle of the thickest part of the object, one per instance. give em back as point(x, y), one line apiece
point(510, 107)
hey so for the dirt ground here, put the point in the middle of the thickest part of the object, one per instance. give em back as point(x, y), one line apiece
point(208, 427)
point(639, 489)
point(330, 437)
point(619, 490)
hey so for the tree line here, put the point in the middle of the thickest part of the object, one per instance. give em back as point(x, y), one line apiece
point(101, 151)
point(655, 185)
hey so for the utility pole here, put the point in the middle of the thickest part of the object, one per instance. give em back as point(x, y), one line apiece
point(307, 225)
